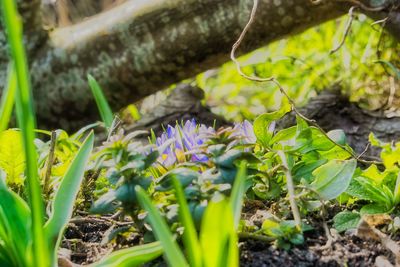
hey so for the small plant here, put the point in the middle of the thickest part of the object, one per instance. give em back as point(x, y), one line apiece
point(127, 164)
point(216, 245)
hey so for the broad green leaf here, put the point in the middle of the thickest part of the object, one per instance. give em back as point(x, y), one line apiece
point(333, 178)
point(338, 136)
point(364, 188)
point(172, 252)
point(12, 157)
point(263, 122)
point(346, 220)
point(15, 226)
point(8, 98)
point(218, 236)
point(65, 196)
point(284, 135)
point(131, 257)
point(374, 208)
point(101, 101)
point(304, 169)
point(190, 239)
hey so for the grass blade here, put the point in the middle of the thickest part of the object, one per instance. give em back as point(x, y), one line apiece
point(237, 195)
point(66, 194)
point(104, 108)
point(189, 235)
point(216, 234)
point(8, 98)
point(172, 252)
point(26, 121)
point(131, 257)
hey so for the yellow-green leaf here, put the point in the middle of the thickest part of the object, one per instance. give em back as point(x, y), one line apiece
point(12, 158)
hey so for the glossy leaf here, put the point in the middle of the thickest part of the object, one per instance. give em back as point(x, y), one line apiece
point(333, 178)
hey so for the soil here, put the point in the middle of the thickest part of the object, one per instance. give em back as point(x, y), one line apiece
point(83, 245)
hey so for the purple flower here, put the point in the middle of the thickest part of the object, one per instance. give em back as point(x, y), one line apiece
point(186, 139)
point(244, 132)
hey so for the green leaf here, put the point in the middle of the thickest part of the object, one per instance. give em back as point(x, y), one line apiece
point(8, 98)
point(26, 121)
point(333, 178)
point(160, 228)
point(218, 237)
point(271, 228)
point(131, 257)
point(364, 188)
point(346, 220)
point(15, 227)
point(65, 196)
point(101, 101)
point(189, 234)
point(304, 170)
point(338, 136)
point(237, 195)
point(373, 208)
point(12, 157)
point(262, 123)
point(107, 203)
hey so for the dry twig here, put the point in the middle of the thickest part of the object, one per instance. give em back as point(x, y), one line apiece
point(346, 31)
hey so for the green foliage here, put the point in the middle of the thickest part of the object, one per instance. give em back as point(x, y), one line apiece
point(7, 99)
point(346, 220)
point(333, 178)
point(131, 257)
point(101, 101)
point(303, 66)
point(217, 241)
point(126, 164)
point(12, 158)
point(286, 233)
point(26, 121)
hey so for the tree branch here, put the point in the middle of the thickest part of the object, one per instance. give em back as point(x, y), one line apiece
point(143, 46)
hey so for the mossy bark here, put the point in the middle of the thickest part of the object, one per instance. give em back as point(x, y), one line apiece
point(143, 46)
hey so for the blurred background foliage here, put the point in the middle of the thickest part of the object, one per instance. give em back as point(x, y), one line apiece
point(304, 66)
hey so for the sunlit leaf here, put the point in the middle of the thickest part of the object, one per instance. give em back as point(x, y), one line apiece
point(12, 157)
point(333, 178)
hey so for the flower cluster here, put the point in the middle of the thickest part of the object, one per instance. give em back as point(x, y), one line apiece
point(186, 142)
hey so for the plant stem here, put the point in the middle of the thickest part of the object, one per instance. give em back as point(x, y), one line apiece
point(50, 161)
point(290, 188)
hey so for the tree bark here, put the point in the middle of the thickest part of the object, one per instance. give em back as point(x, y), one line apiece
point(143, 46)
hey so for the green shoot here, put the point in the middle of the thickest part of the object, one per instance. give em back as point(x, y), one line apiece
point(101, 101)
point(7, 100)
